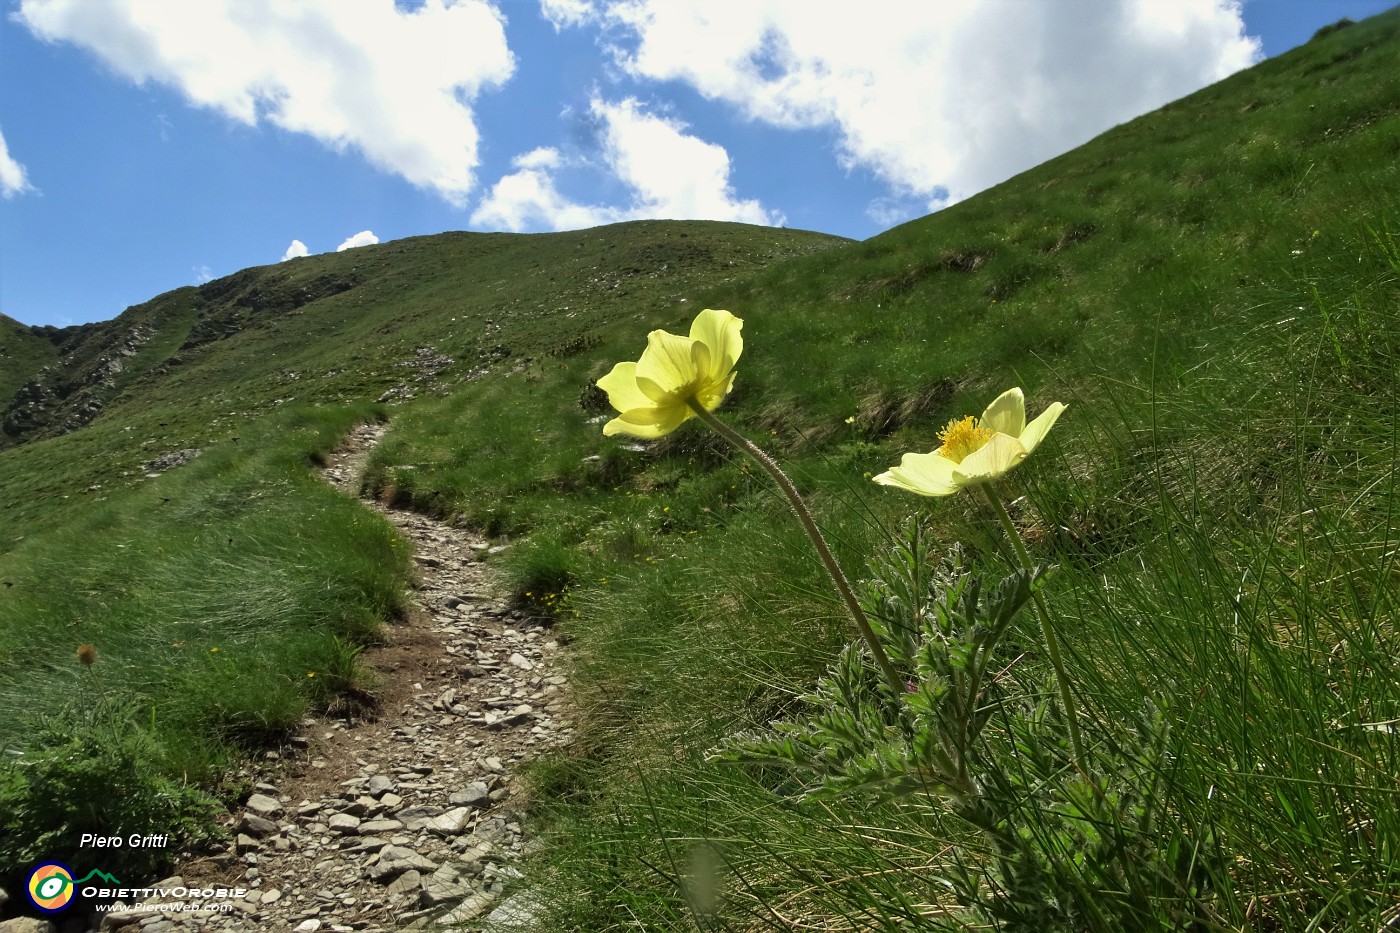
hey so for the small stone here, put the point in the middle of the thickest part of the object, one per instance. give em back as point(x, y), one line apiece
point(360, 806)
point(308, 926)
point(444, 887)
point(264, 806)
point(451, 823)
point(395, 860)
point(344, 823)
point(406, 883)
point(522, 662)
point(470, 909)
point(514, 913)
point(415, 817)
point(474, 794)
point(370, 844)
point(379, 785)
point(375, 827)
point(254, 825)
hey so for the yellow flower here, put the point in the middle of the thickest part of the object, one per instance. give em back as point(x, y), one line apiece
point(974, 450)
point(654, 394)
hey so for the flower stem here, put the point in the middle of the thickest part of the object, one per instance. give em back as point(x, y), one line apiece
point(1052, 642)
point(809, 525)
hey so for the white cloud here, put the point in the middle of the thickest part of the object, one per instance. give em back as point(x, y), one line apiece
point(396, 85)
point(13, 179)
point(363, 238)
point(887, 212)
point(941, 100)
point(296, 250)
point(203, 274)
point(667, 172)
point(528, 199)
point(561, 13)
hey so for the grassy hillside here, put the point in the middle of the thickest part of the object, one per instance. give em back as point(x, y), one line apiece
point(417, 316)
point(165, 509)
point(23, 352)
point(1212, 288)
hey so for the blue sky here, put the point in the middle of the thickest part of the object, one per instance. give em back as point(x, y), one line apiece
point(150, 144)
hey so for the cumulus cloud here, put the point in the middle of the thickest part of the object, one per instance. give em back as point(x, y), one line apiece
point(13, 180)
point(667, 173)
point(363, 238)
point(939, 100)
point(395, 84)
point(296, 250)
point(529, 199)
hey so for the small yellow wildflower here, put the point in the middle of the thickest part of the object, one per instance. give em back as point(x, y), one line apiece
point(654, 394)
point(974, 450)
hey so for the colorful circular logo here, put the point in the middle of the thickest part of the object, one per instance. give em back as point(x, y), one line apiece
point(50, 887)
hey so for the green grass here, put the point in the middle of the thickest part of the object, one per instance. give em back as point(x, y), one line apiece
point(23, 353)
point(224, 600)
point(1226, 546)
point(1210, 287)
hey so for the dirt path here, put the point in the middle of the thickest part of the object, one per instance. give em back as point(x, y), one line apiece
point(411, 820)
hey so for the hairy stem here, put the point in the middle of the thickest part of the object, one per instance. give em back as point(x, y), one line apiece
point(1047, 631)
point(809, 525)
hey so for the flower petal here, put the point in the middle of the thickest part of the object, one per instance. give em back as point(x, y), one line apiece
point(1035, 431)
point(653, 393)
point(648, 423)
point(669, 362)
point(924, 474)
point(1007, 414)
point(621, 386)
point(998, 455)
point(719, 331)
point(712, 394)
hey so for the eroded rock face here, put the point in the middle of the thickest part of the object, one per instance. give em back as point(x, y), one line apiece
point(60, 399)
point(412, 821)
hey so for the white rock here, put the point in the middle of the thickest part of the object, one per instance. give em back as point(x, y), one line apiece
point(451, 823)
point(264, 806)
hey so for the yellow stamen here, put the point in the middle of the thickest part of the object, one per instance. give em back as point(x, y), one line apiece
point(961, 438)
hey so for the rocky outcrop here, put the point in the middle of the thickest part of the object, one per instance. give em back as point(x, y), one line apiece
point(60, 398)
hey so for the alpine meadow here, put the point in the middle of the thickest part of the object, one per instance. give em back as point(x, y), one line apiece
point(1140, 671)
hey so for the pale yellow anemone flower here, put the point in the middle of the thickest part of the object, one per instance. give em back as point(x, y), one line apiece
point(974, 450)
point(655, 393)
